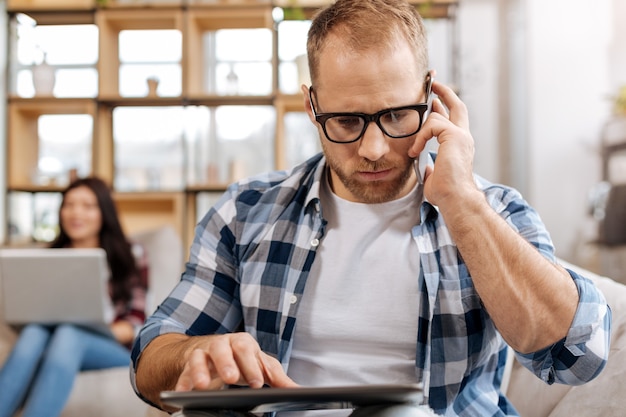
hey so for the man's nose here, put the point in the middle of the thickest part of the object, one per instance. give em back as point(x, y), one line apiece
point(374, 144)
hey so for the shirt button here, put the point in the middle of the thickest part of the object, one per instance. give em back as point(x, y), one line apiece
point(315, 242)
point(293, 299)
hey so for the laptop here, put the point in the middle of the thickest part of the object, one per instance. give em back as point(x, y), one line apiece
point(52, 286)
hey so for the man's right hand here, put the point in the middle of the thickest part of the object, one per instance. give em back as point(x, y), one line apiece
point(185, 363)
point(230, 359)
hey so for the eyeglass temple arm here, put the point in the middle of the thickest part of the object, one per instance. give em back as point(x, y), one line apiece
point(311, 101)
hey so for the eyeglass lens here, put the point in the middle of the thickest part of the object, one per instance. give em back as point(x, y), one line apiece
point(394, 123)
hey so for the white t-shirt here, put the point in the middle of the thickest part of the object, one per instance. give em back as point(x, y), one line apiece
point(357, 323)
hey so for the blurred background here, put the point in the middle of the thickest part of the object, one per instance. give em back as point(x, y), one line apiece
point(171, 101)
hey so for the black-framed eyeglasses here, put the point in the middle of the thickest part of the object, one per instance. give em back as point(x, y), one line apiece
point(397, 122)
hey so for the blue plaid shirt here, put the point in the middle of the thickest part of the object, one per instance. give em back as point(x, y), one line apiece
point(254, 249)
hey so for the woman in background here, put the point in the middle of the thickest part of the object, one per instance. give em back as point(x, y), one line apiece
point(40, 370)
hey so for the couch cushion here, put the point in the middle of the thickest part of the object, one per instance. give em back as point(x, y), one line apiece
point(165, 262)
point(104, 393)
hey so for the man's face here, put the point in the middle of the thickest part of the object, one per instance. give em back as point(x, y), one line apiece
point(375, 168)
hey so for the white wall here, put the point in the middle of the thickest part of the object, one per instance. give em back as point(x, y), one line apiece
point(536, 76)
point(478, 29)
point(617, 46)
point(568, 67)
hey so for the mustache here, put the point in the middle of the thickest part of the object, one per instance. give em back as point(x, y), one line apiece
point(373, 166)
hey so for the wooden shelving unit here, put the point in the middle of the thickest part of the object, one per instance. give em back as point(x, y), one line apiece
point(145, 209)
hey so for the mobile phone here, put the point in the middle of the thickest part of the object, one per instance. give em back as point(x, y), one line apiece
point(425, 158)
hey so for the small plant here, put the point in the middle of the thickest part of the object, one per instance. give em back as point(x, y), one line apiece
point(293, 11)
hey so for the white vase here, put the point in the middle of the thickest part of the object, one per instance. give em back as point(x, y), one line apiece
point(44, 78)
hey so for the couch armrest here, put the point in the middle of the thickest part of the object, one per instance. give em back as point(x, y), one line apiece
point(602, 396)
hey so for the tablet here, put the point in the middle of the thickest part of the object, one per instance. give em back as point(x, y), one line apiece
point(292, 399)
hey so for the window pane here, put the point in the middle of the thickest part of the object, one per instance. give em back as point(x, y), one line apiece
point(150, 54)
point(76, 83)
point(64, 145)
point(301, 138)
point(292, 36)
point(243, 45)
point(64, 56)
point(238, 61)
point(134, 79)
point(163, 45)
point(227, 143)
point(148, 148)
point(62, 44)
point(252, 78)
point(33, 217)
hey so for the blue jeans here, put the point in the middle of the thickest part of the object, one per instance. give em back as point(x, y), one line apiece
point(40, 370)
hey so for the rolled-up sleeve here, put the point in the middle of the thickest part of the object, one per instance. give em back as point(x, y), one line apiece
point(583, 353)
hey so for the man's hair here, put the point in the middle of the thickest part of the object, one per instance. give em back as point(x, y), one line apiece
point(367, 24)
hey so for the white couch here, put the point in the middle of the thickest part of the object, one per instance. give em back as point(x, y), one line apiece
point(108, 393)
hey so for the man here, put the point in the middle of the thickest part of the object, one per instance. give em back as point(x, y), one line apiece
point(356, 268)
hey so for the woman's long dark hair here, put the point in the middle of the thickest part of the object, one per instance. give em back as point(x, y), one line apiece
point(112, 239)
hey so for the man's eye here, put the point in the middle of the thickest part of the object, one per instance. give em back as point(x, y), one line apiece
point(394, 116)
point(348, 122)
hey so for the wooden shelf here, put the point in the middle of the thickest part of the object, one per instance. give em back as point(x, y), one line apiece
point(228, 3)
point(141, 101)
point(60, 17)
point(140, 211)
point(290, 102)
point(202, 188)
point(50, 5)
point(52, 188)
point(133, 4)
point(429, 9)
point(234, 100)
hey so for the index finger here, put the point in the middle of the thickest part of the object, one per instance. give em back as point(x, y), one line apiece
point(274, 374)
point(456, 107)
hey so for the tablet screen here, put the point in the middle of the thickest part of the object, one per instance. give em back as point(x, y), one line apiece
point(292, 399)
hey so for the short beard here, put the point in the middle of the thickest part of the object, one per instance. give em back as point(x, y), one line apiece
point(373, 192)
